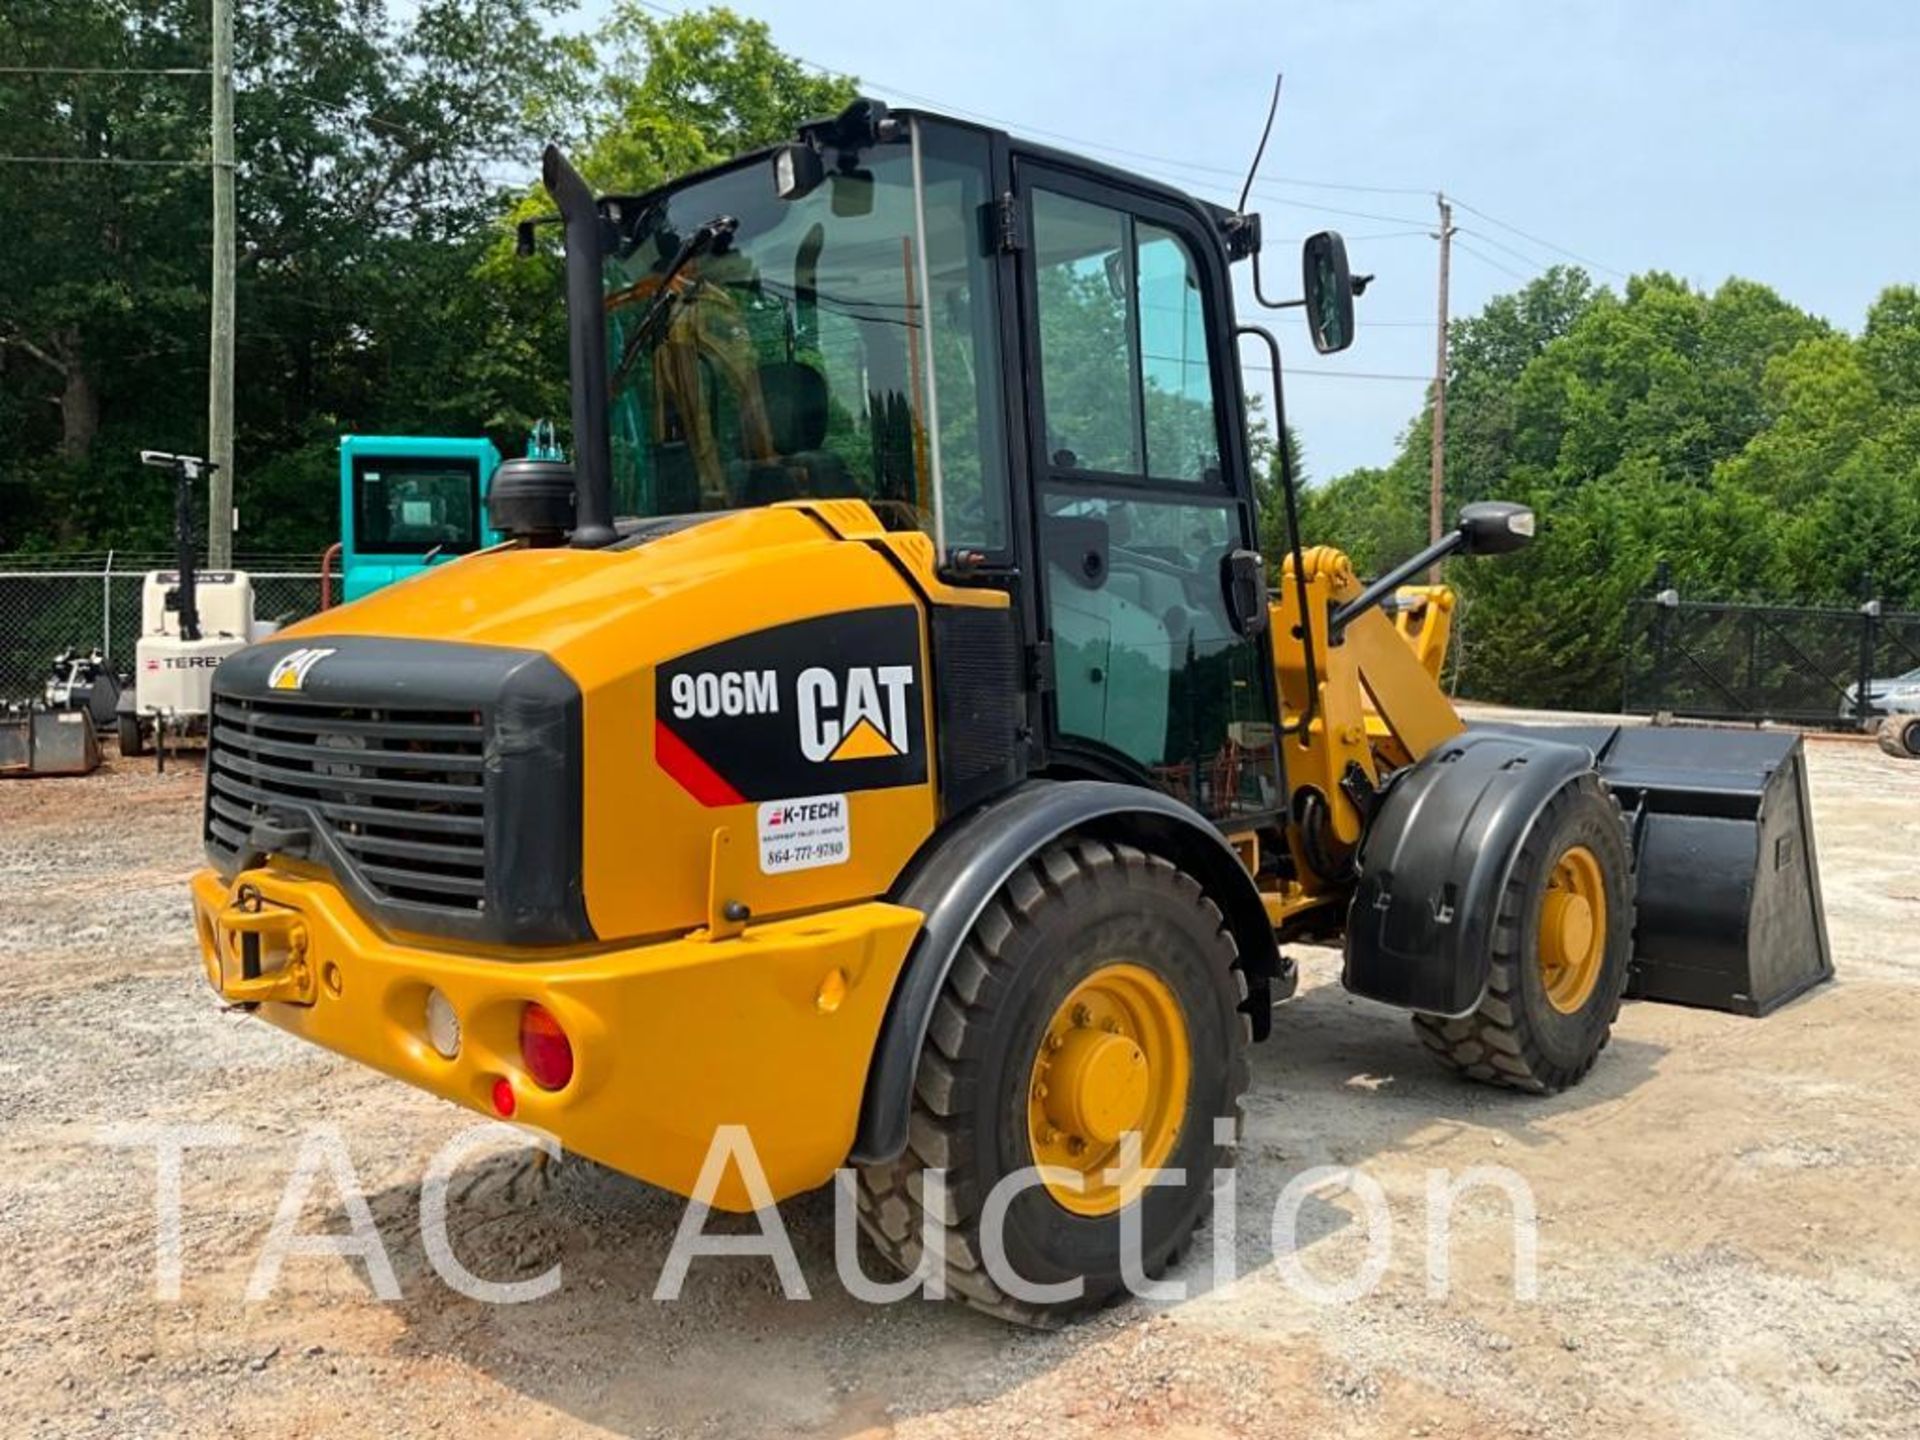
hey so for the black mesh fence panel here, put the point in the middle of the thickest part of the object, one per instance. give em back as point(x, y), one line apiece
point(88, 602)
point(1794, 665)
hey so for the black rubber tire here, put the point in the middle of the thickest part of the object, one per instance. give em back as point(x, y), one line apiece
point(132, 740)
point(1078, 905)
point(1900, 736)
point(1516, 1037)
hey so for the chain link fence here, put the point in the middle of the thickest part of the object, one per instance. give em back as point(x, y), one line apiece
point(50, 603)
point(1804, 665)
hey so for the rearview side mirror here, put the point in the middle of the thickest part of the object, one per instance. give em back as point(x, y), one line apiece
point(1493, 527)
point(1328, 286)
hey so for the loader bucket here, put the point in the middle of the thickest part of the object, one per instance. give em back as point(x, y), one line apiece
point(48, 742)
point(1729, 912)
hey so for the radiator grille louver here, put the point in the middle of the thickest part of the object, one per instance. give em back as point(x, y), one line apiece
point(400, 792)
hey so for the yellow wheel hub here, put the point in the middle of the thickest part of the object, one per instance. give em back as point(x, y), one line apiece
point(1573, 929)
point(1114, 1059)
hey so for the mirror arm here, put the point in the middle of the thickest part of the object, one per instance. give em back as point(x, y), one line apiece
point(1380, 589)
point(1292, 503)
point(1259, 294)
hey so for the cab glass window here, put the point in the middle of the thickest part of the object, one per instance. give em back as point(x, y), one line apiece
point(841, 343)
point(1127, 388)
point(1146, 660)
point(408, 507)
point(1183, 440)
point(1087, 371)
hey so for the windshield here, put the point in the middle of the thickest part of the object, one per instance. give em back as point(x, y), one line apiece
point(408, 506)
point(841, 344)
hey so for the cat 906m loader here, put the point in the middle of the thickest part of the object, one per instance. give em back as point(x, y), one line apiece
point(882, 735)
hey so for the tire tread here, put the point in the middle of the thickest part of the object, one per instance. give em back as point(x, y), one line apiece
point(1495, 1044)
point(888, 1203)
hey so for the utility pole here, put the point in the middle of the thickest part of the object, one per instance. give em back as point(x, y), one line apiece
point(220, 337)
point(1436, 499)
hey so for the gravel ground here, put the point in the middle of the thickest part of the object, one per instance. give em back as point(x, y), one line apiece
point(1729, 1237)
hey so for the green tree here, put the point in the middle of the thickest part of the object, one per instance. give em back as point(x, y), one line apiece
point(659, 98)
point(376, 289)
point(1746, 444)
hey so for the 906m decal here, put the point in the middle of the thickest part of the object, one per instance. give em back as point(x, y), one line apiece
point(833, 704)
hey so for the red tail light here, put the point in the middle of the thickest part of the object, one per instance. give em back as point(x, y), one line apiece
point(545, 1049)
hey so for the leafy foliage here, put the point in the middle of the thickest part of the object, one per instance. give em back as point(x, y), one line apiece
point(376, 289)
point(1751, 448)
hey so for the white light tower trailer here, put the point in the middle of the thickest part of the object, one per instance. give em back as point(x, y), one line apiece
point(189, 622)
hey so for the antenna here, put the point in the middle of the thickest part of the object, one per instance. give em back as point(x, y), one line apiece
point(1273, 109)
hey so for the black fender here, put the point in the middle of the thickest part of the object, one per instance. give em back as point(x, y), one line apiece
point(1433, 863)
point(958, 871)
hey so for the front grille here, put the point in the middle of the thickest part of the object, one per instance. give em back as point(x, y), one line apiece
point(399, 792)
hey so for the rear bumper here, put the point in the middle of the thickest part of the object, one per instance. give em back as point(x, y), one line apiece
point(771, 1030)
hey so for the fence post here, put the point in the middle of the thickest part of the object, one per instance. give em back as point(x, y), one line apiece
point(106, 608)
point(1869, 643)
point(1753, 661)
point(1665, 601)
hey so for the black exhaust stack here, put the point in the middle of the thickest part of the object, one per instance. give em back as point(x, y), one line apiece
point(587, 352)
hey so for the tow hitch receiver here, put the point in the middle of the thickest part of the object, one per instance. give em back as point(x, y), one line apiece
point(259, 953)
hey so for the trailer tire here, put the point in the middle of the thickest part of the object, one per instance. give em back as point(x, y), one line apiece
point(132, 740)
point(1900, 736)
point(1126, 950)
point(1556, 978)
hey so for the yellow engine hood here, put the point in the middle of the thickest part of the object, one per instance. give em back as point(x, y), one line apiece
point(671, 594)
point(611, 619)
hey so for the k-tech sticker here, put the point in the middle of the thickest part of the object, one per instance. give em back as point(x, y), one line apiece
point(794, 709)
point(804, 833)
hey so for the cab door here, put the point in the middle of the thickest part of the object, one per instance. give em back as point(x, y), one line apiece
point(1140, 495)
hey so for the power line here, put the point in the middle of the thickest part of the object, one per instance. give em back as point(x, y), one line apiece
point(1199, 167)
point(1489, 260)
point(1294, 370)
point(1531, 262)
point(102, 70)
point(1299, 182)
point(103, 160)
point(1265, 367)
point(1537, 240)
point(1338, 210)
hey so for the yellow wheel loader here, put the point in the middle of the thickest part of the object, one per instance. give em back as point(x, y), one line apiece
point(882, 736)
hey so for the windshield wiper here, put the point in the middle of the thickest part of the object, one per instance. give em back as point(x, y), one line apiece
point(708, 236)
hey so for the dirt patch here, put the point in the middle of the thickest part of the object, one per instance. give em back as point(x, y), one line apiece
point(1729, 1237)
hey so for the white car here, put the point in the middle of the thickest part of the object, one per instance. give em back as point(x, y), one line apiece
point(1894, 695)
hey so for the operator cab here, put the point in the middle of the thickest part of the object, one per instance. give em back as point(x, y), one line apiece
point(1024, 355)
point(410, 501)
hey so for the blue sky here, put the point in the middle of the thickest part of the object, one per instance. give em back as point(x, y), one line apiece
point(1772, 140)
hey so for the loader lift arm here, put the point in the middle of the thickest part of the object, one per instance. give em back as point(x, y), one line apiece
point(1367, 686)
